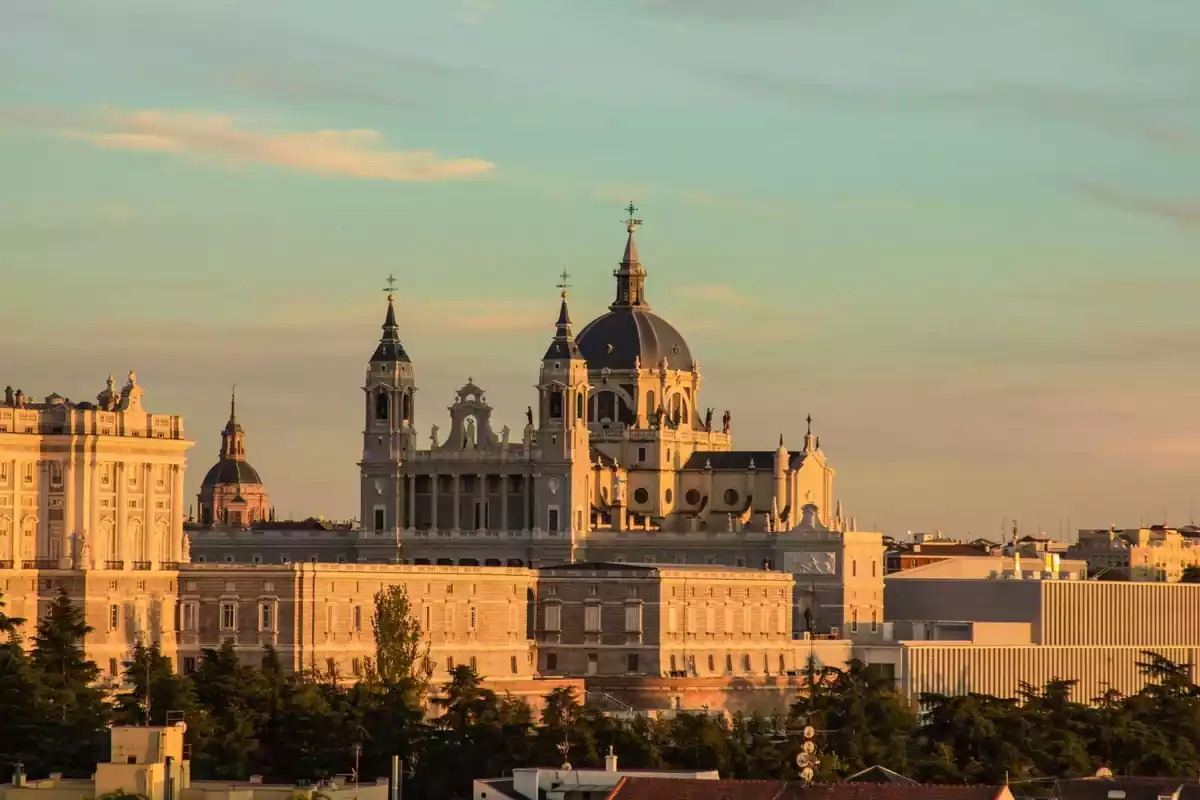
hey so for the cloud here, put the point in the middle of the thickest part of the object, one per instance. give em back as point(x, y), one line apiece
point(714, 293)
point(342, 153)
point(1182, 213)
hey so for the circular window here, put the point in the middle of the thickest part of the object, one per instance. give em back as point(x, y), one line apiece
point(641, 496)
point(692, 497)
point(667, 495)
point(731, 497)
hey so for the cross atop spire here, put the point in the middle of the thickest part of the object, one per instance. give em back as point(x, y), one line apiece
point(631, 222)
point(391, 286)
point(809, 421)
point(562, 284)
point(563, 345)
point(233, 404)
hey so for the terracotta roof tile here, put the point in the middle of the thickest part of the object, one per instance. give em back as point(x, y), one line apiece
point(675, 789)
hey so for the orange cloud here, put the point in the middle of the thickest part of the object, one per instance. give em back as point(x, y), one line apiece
point(342, 153)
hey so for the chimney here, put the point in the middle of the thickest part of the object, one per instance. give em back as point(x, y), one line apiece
point(610, 761)
point(9, 399)
point(18, 778)
point(20, 400)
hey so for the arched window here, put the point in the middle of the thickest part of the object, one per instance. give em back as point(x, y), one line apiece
point(579, 408)
point(650, 407)
point(381, 404)
point(556, 404)
point(405, 411)
point(29, 538)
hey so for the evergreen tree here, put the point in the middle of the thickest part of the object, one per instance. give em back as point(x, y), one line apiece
point(75, 732)
point(20, 700)
point(235, 697)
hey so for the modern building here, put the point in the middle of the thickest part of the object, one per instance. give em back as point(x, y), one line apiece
point(231, 493)
point(954, 636)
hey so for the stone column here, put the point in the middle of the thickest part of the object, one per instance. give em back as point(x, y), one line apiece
point(412, 502)
point(175, 538)
point(525, 513)
point(433, 501)
point(148, 490)
point(482, 494)
point(119, 517)
point(18, 522)
point(504, 484)
point(457, 501)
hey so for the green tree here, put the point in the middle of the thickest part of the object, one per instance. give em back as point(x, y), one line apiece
point(20, 700)
point(1191, 574)
point(864, 721)
point(401, 649)
point(235, 698)
point(75, 731)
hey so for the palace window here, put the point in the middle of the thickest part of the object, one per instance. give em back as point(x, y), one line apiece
point(552, 519)
point(551, 662)
point(728, 663)
point(854, 621)
point(474, 617)
point(358, 619)
point(591, 618)
point(228, 616)
point(187, 616)
point(114, 618)
point(552, 617)
point(266, 616)
point(56, 473)
point(631, 662)
point(712, 663)
point(633, 618)
point(29, 474)
point(512, 664)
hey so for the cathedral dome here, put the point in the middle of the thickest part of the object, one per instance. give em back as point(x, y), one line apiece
point(625, 337)
point(630, 333)
point(229, 472)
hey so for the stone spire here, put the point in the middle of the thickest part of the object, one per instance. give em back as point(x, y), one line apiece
point(563, 345)
point(631, 276)
point(233, 438)
point(389, 348)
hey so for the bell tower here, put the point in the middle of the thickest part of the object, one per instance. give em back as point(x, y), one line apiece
point(562, 469)
point(388, 434)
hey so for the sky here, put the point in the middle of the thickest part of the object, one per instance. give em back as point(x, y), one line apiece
point(963, 235)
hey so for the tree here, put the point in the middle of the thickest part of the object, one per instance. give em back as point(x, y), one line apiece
point(1191, 574)
point(401, 650)
point(235, 698)
point(75, 733)
point(20, 700)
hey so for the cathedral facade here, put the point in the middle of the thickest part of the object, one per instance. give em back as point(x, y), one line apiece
point(618, 460)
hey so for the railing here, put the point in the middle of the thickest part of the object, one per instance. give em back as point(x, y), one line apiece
point(169, 565)
point(40, 563)
point(114, 565)
point(6, 564)
point(142, 565)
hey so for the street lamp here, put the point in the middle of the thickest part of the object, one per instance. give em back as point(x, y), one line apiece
point(357, 752)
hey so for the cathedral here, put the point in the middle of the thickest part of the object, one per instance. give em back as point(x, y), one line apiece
point(232, 493)
point(618, 459)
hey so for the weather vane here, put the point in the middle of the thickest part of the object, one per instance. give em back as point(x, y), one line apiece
point(391, 285)
point(631, 222)
point(563, 285)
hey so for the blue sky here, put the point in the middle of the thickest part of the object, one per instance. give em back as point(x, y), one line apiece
point(964, 235)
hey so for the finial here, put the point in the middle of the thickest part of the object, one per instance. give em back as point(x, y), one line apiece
point(631, 222)
point(562, 284)
point(809, 421)
point(233, 403)
point(391, 287)
point(781, 441)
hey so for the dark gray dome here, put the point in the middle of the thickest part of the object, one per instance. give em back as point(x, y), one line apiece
point(229, 472)
point(623, 335)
